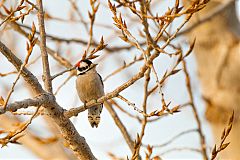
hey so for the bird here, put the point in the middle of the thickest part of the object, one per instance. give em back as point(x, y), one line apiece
point(89, 87)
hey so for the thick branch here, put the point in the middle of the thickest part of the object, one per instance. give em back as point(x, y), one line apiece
point(76, 142)
point(13, 107)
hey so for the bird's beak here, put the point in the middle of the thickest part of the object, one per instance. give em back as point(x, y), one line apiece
point(94, 65)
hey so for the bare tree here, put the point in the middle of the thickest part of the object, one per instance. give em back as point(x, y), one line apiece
point(156, 37)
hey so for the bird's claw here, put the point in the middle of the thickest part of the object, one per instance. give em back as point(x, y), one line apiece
point(84, 105)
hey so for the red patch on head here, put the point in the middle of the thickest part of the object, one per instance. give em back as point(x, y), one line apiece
point(78, 64)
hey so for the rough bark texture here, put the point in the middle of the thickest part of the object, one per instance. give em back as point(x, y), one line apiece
point(76, 142)
point(217, 52)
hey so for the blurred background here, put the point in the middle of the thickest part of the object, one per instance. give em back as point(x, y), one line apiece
point(213, 68)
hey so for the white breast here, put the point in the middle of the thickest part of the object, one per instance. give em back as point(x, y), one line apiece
point(89, 86)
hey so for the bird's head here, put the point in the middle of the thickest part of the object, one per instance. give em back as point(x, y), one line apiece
point(84, 66)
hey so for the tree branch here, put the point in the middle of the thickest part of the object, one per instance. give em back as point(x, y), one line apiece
point(13, 107)
point(209, 16)
point(26, 74)
point(46, 70)
point(76, 142)
point(139, 75)
point(54, 54)
point(194, 108)
point(120, 125)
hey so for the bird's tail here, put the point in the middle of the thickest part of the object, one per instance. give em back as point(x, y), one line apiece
point(94, 115)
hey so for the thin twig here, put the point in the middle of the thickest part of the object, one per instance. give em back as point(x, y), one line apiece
point(61, 73)
point(189, 88)
point(208, 17)
point(79, 41)
point(77, 10)
point(28, 123)
point(124, 111)
point(123, 67)
point(131, 104)
point(16, 80)
point(224, 135)
point(139, 75)
point(64, 82)
point(181, 149)
point(174, 138)
point(120, 125)
point(139, 139)
point(92, 20)
point(8, 73)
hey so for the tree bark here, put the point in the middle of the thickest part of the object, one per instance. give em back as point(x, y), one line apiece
point(76, 142)
point(217, 52)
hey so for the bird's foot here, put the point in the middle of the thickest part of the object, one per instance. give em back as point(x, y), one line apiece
point(84, 105)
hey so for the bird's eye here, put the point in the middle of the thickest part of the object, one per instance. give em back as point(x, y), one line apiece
point(81, 69)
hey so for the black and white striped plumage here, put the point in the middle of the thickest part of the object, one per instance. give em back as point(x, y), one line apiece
point(90, 86)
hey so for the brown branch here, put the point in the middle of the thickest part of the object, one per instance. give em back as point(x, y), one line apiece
point(54, 54)
point(77, 10)
point(46, 70)
point(27, 113)
point(181, 149)
point(13, 107)
point(30, 46)
point(189, 89)
point(174, 138)
point(7, 18)
point(76, 142)
point(26, 74)
point(75, 40)
point(138, 141)
point(29, 140)
point(92, 20)
point(19, 9)
point(124, 67)
point(124, 111)
point(23, 128)
point(139, 75)
point(209, 16)
point(61, 73)
point(224, 135)
point(10, 15)
point(63, 83)
point(132, 105)
point(8, 73)
point(120, 125)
